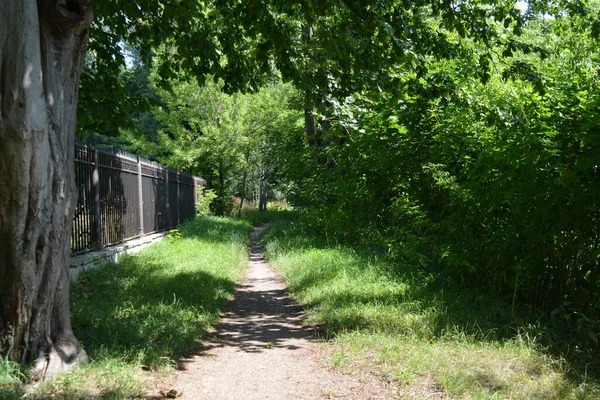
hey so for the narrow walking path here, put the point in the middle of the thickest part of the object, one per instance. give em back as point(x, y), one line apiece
point(261, 350)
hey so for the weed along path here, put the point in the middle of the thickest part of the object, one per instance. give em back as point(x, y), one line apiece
point(261, 350)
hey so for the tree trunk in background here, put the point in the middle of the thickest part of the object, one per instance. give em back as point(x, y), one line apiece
point(221, 193)
point(309, 119)
point(244, 179)
point(42, 46)
point(243, 194)
point(262, 190)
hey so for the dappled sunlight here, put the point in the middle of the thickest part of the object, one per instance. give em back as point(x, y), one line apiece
point(399, 320)
point(153, 318)
point(150, 310)
point(214, 230)
point(261, 320)
point(155, 305)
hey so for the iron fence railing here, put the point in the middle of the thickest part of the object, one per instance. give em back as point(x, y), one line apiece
point(122, 196)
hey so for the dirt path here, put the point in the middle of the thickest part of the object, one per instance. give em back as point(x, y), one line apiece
point(262, 351)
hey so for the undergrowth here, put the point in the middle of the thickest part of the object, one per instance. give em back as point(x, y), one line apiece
point(256, 217)
point(428, 334)
point(11, 377)
point(147, 311)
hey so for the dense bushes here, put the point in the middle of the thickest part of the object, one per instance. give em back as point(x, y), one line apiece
point(496, 185)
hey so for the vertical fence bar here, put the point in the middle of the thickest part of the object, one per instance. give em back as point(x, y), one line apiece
point(178, 202)
point(96, 196)
point(112, 208)
point(168, 205)
point(195, 194)
point(141, 200)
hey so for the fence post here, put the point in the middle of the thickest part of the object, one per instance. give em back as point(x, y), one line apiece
point(140, 197)
point(168, 195)
point(195, 194)
point(178, 202)
point(96, 193)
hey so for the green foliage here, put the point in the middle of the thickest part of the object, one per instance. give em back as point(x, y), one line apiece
point(223, 138)
point(202, 130)
point(256, 217)
point(325, 47)
point(461, 137)
point(494, 185)
point(204, 202)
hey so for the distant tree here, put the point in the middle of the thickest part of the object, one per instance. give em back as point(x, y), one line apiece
point(223, 137)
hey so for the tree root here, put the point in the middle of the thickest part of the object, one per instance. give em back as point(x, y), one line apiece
point(61, 357)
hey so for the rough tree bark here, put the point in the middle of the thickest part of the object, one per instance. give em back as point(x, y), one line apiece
point(42, 46)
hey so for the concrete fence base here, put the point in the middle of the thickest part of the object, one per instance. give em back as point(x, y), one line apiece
point(96, 259)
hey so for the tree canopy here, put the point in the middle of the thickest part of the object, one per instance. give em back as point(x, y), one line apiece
point(325, 47)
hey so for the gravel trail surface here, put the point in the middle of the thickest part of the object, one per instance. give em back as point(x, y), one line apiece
point(261, 350)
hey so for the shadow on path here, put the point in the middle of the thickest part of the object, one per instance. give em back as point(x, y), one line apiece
point(262, 316)
point(261, 349)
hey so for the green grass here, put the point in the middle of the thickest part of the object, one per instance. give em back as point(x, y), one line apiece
point(137, 318)
point(421, 331)
point(11, 377)
point(256, 217)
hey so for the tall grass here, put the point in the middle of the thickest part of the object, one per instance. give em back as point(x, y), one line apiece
point(256, 217)
point(136, 319)
point(11, 377)
point(427, 334)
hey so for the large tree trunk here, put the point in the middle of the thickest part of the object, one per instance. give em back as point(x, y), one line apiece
point(42, 45)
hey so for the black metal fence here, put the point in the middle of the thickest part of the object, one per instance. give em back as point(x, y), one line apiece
point(122, 197)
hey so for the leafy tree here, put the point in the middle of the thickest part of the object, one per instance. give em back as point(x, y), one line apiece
point(222, 137)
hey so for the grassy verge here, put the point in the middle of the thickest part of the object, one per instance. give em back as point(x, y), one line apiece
point(427, 335)
point(256, 217)
point(136, 319)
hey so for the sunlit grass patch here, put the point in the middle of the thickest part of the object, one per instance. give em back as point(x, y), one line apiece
point(105, 379)
point(152, 308)
point(459, 367)
point(398, 321)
